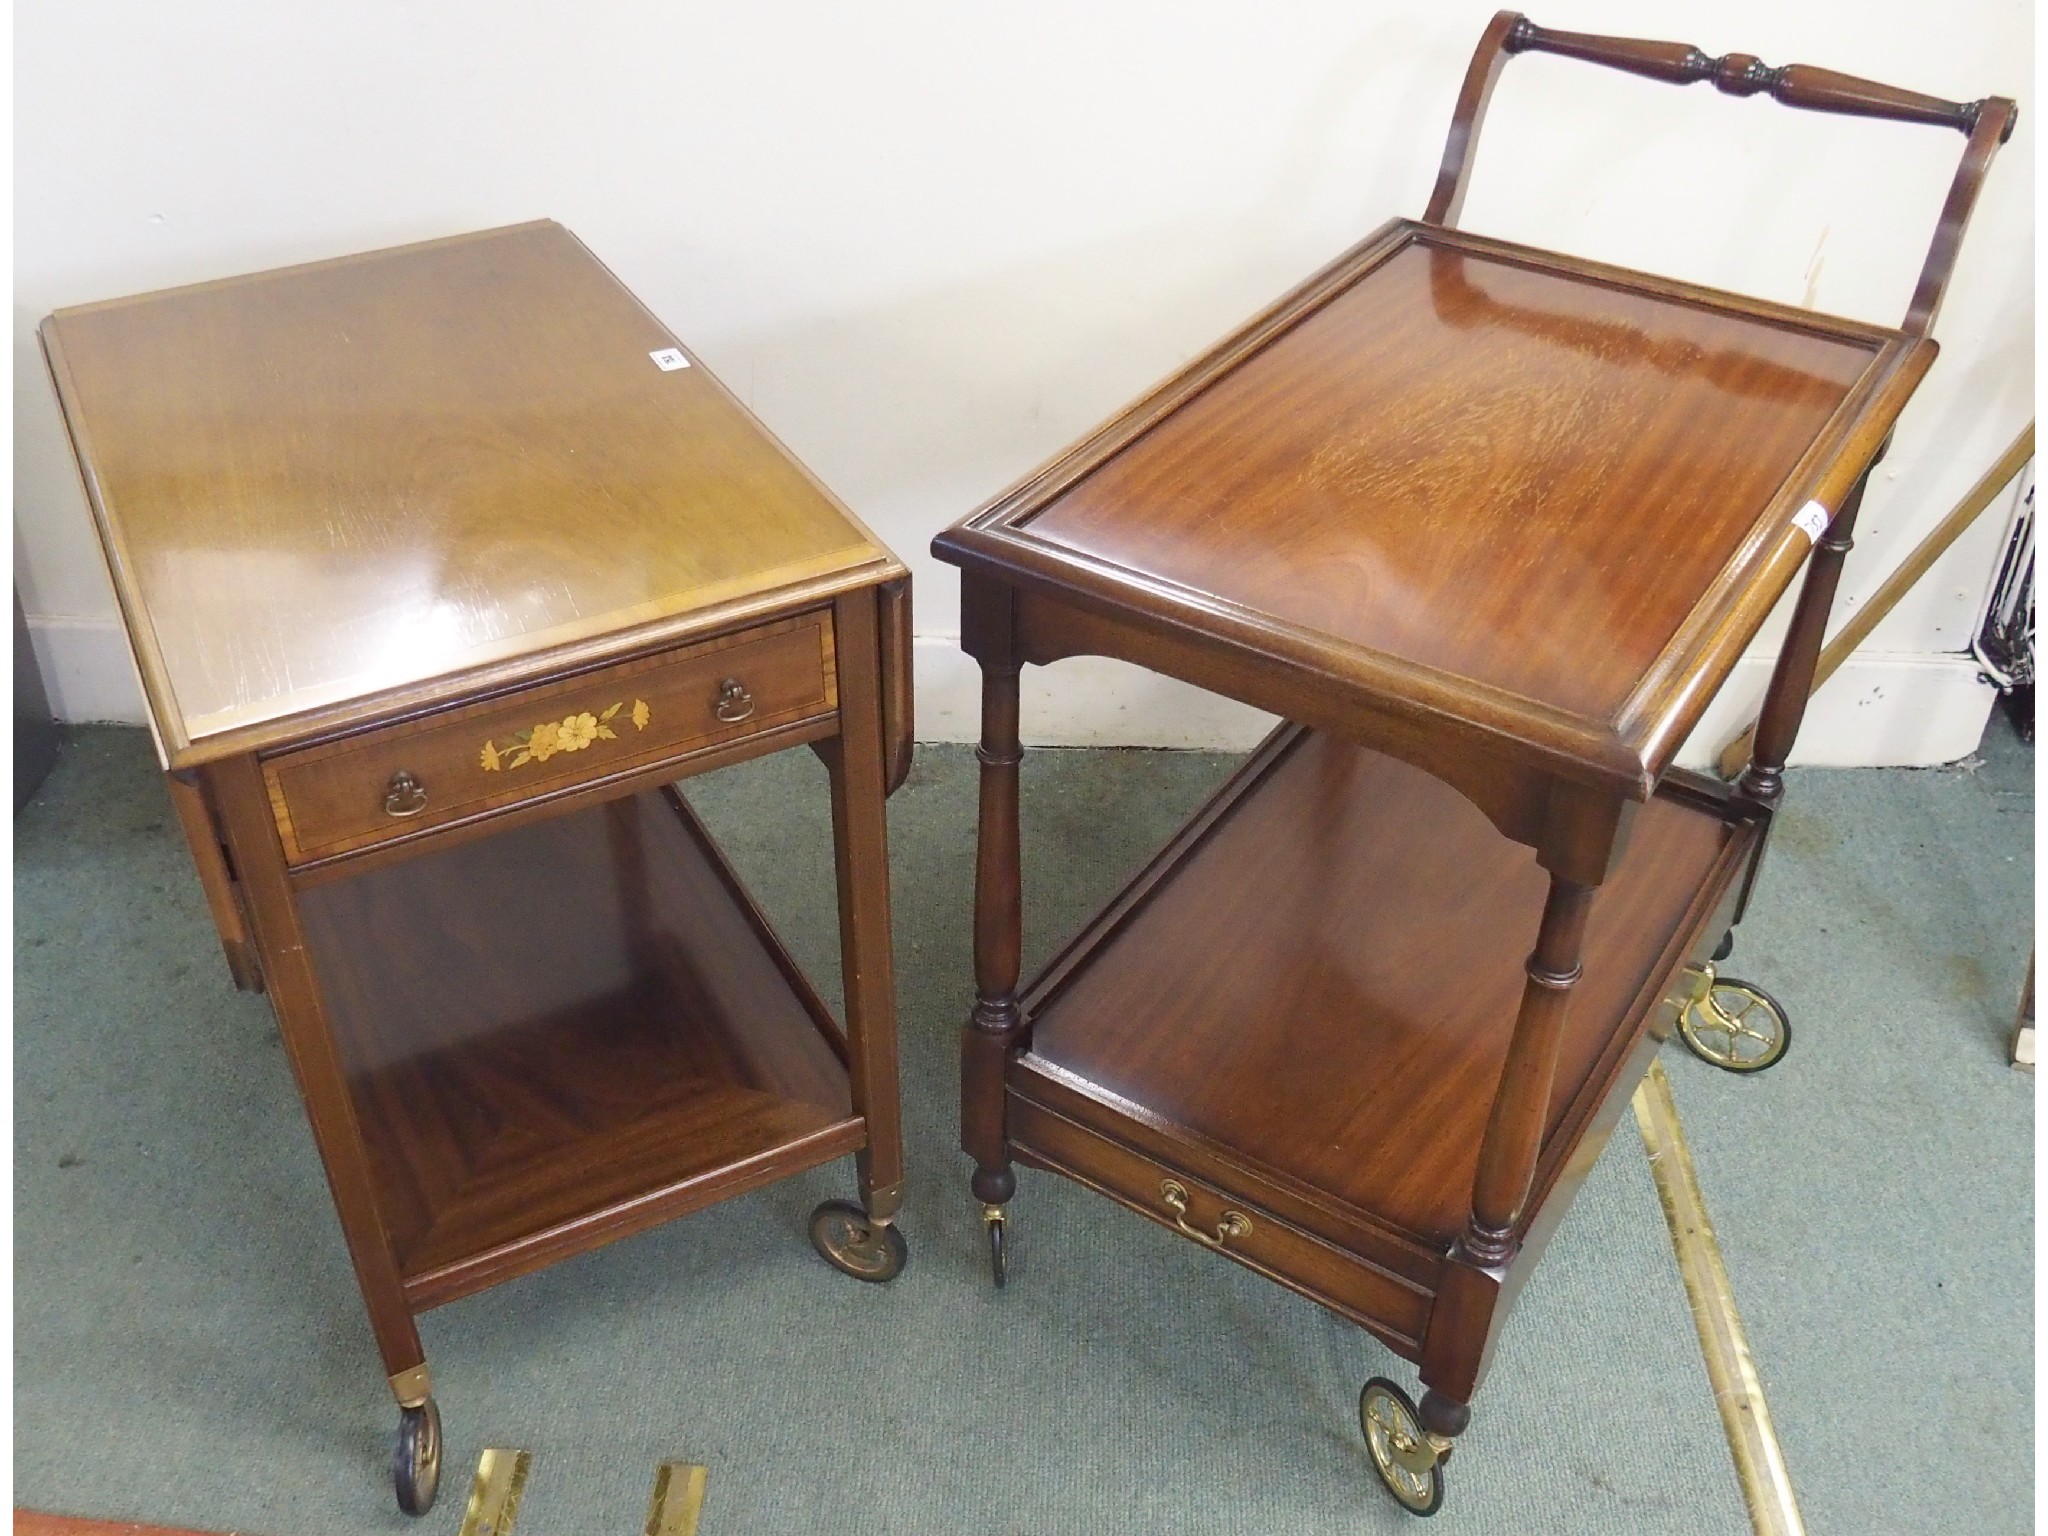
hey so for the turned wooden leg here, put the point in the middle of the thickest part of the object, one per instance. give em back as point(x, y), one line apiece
point(1777, 727)
point(1792, 678)
point(1514, 1131)
point(998, 943)
point(1466, 1317)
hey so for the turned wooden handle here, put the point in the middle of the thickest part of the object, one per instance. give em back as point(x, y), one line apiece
point(1988, 123)
point(1823, 90)
point(1744, 74)
point(1673, 63)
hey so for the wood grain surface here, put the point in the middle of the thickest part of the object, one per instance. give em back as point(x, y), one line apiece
point(325, 490)
point(1326, 985)
point(1474, 466)
point(570, 1030)
point(1537, 503)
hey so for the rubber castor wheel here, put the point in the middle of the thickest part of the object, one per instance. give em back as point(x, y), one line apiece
point(998, 1228)
point(1409, 1462)
point(848, 1239)
point(416, 1458)
point(1737, 1026)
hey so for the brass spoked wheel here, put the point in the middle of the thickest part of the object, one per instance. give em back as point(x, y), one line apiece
point(416, 1458)
point(848, 1239)
point(1736, 1025)
point(1407, 1460)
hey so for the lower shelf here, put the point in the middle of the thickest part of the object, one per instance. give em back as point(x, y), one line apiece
point(567, 1032)
point(1307, 999)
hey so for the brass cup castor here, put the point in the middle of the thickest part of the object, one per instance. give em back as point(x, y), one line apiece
point(1409, 1459)
point(1735, 1025)
point(849, 1239)
point(416, 1458)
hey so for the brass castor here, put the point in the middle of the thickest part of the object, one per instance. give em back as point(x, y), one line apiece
point(416, 1458)
point(1409, 1460)
point(998, 1229)
point(848, 1239)
point(1735, 1025)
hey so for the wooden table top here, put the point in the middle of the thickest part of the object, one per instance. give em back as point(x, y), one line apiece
point(343, 491)
point(1545, 499)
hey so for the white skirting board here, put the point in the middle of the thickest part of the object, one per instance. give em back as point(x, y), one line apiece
point(1880, 710)
point(87, 670)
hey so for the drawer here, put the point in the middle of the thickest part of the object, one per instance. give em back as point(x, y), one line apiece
point(465, 762)
point(1394, 1307)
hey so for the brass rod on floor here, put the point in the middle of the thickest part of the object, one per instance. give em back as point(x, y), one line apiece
point(678, 1500)
point(494, 1496)
point(1759, 1462)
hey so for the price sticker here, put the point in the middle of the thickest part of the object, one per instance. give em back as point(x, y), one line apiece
point(1811, 520)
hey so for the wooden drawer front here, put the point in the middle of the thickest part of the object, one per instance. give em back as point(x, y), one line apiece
point(331, 799)
point(1388, 1304)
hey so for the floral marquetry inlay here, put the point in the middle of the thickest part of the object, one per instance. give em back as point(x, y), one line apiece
point(572, 733)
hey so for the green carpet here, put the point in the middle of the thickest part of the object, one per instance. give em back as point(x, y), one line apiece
point(189, 1348)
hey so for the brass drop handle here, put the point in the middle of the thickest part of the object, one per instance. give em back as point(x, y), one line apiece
point(404, 796)
point(734, 702)
point(1233, 1224)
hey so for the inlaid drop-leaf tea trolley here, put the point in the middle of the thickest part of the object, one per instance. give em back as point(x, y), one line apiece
point(440, 565)
point(1487, 526)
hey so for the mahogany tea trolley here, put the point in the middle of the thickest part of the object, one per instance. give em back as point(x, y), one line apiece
point(1487, 527)
point(440, 565)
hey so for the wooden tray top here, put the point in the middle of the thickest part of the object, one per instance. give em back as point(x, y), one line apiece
point(1546, 500)
point(323, 491)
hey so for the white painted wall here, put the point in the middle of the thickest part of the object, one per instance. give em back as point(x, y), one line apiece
point(931, 243)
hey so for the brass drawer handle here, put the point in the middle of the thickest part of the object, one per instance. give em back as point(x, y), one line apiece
point(734, 702)
point(404, 796)
point(1234, 1223)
